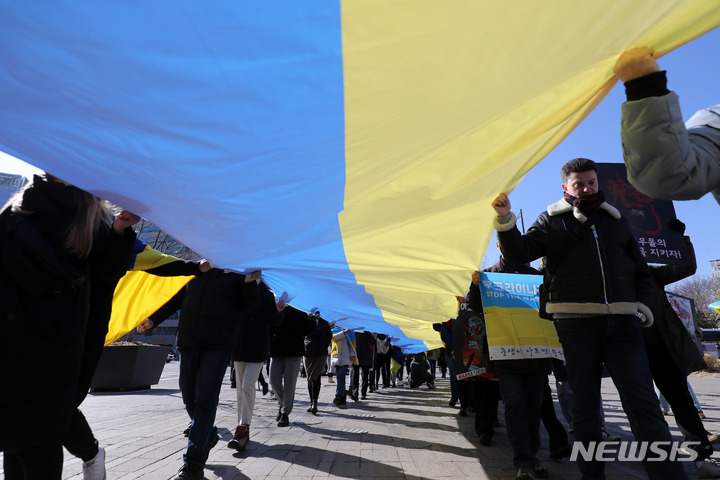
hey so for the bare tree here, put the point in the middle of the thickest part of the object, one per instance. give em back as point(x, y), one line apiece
point(162, 242)
point(704, 291)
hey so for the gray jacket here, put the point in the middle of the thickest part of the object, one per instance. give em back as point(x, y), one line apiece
point(666, 158)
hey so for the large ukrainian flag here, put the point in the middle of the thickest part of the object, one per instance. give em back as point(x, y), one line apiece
point(349, 148)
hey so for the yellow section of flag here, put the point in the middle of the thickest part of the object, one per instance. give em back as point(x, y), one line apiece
point(138, 295)
point(448, 104)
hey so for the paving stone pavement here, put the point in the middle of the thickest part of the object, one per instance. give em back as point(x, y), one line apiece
point(397, 433)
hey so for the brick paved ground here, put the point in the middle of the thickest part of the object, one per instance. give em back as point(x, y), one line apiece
point(396, 433)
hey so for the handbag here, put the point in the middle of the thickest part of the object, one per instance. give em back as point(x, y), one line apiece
point(544, 296)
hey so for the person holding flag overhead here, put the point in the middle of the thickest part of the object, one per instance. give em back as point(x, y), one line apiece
point(397, 364)
point(79, 440)
point(317, 343)
point(250, 354)
point(673, 355)
point(664, 157)
point(286, 351)
point(600, 290)
point(521, 383)
point(58, 243)
point(364, 346)
point(214, 305)
point(342, 356)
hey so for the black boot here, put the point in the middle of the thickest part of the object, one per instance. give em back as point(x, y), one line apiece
point(241, 437)
point(263, 383)
point(311, 393)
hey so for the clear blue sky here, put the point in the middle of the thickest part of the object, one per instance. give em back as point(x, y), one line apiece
point(694, 74)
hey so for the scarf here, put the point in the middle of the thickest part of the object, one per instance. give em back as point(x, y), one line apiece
point(588, 204)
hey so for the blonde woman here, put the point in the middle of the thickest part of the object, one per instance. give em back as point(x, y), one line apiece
point(52, 237)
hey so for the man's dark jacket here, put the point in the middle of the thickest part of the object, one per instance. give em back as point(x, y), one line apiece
point(318, 340)
point(253, 342)
point(364, 345)
point(288, 335)
point(595, 263)
point(212, 306)
point(668, 328)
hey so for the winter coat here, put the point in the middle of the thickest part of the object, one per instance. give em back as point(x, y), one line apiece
point(419, 373)
point(318, 340)
point(365, 343)
point(397, 354)
point(668, 329)
point(340, 351)
point(666, 158)
point(253, 343)
point(212, 308)
point(104, 277)
point(288, 335)
point(595, 264)
point(41, 338)
point(445, 330)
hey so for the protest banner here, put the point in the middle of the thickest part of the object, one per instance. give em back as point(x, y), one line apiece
point(469, 349)
point(685, 309)
point(648, 217)
point(514, 328)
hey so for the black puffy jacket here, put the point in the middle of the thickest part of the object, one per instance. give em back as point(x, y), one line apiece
point(288, 335)
point(364, 345)
point(212, 309)
point(595, 263)
point(253, 342)
point(46, 333)
point(318, 340)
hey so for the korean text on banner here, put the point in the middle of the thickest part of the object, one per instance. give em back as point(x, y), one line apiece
point(514, 328)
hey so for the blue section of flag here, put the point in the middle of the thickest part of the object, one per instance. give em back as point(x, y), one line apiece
point(221, 122)
point(509, 290)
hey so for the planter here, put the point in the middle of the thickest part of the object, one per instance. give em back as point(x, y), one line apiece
point(129, 367)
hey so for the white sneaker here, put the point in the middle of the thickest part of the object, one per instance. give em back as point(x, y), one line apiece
point(708, 468)
point(95, 469)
